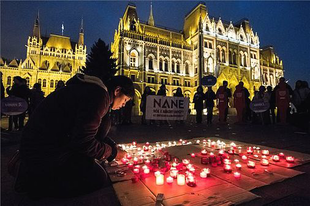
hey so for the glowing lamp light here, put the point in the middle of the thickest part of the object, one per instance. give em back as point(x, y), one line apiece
point(275, 158)
point(238, 166)
point(181, 179)
point(169, 180)
point(264, 162)
point(251, 164)
point(193, 155)
point(265, 152)
point(237, 175)
point(160, 179)
point(204, 152)
point(227, 168)
point(290, 159)
point(185, 161)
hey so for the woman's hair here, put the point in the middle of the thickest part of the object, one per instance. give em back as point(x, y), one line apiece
point(124, 83)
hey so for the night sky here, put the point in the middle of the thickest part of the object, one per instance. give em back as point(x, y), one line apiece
point(285, 25)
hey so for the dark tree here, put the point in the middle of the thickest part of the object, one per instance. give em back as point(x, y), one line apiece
point(99, 62)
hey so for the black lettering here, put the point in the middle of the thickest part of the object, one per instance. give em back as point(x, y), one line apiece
point(158, 103)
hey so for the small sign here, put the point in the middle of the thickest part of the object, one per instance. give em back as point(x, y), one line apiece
point(208, 81)
point(13, 106)
point(259, 105)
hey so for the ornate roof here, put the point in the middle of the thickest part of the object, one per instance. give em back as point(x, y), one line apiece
point(60, 42)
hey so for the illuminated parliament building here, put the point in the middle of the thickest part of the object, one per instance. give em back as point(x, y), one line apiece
point(49, 59)
point(152, 55)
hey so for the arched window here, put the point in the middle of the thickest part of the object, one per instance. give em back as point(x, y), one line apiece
point(173, 67)
point(40, 81)
point(160, 65)
point(52, 84)
point(230, 57)
point(210, 45)
point(9, 81)
point(218, 54)
point(27, 81)
point(150, 63)
point(186, 68)
point(220, 31)
point(234, 58)
point(44, 83)
point(241, 38)
point(133, 59)
point(223, 56)
point(133, 25)
point(245, 60)
point(56, 82)
point(166, 65)
point(178, 67)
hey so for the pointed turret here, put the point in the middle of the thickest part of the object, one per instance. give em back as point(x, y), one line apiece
point(81, 36)
point(151, 18)
point(36, 28)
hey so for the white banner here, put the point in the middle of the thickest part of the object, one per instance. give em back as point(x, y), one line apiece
point(166, 108)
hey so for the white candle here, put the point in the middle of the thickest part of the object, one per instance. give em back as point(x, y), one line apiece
point(159, 179)
point(169, 180)
point(181, 179)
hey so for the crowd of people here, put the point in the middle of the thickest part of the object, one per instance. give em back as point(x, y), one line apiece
point(282, 100)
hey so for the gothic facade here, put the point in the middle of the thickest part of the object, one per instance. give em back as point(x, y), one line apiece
point(152, 55)
point(49, 59)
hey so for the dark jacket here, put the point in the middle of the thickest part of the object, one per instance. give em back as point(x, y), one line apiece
point(210, 97)
point(36, 98)
point(198, 101)
point(21, 91)
point(67, 123)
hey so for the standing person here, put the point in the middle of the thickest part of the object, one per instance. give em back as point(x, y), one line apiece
point(223, 94)
point(297, 99)
point(209, 99)
point(198, 101)
point(272, 103)
point(60, 84)
point(21, 90)
point(240, 102)
point(178, 93)
point(162, 92)
point(66, 135)
point(261, 95)
point(36, 97)
point(2, 87)
point(147, 91)
point(282, 101)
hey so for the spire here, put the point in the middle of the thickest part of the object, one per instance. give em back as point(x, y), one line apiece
point(62, 28)
point(36, 28)
point(81, 35)
point(151, 18)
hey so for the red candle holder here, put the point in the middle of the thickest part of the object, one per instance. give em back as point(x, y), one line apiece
point(204, 160)
point(249, 150)
point(238, 166)
point(290, 159)
point(221, 152)
point(185, 161)
point(275, 158)
point(244, 157)
point(227, 168)
point(134, 143)
point(237, 175)
point(174, 173)
point(147, 144)
point(124, 160)
point(130, 165)
point(193, 155)
point(191, 181)
point(264, 162)
point(231, 151)
point(265, 152)
point(204, 152)
point(169, 180)
point(251, 164)
point(128, 156)
point(281, 155)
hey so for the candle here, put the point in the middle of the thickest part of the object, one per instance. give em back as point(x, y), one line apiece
point(124, 160)
point(213, 144)
point(264, 162)
point(221, 152)
point(227, 162)
point(136, 170)
point(238, 166)
point(281, 155)
point(169, 180)
point(204, 152)
point(227, 168)
point(192, 170)
point(174, 173)
point(239, 149)
point(251, 164)
point(135, 160)
point(147, 144)
point(290, 159)
point(159, 179)
point(249, 150)
point(191, 181)
point(134, 143)
point(146, 171)
point(231, 151)
point(157, 173)
point(130, 165)
point(276, 158)
point(185, 161)
point(237, 175)
point(207, 171)
point(244, 157)
point(204, 160)
point(174, 164)
point(181, 179)
point(128, 156)
point(147, 162)
point(265, 152)
point(211, 154)
point(233, 145)
point(193, 155)
point(203, 174)
point(145, 148)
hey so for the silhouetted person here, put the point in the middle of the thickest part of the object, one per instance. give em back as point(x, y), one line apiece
point(209, 100)
point(240, 102)
point(37, 96)
point(127, 111)
point(67, 134)
point(272, 103)
point(178, 93)
point(262, 96)
point(21, 90)
point(60, 84)
point(147, 91)
point(223, 94)
point(198, 101)
point(162, 92)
